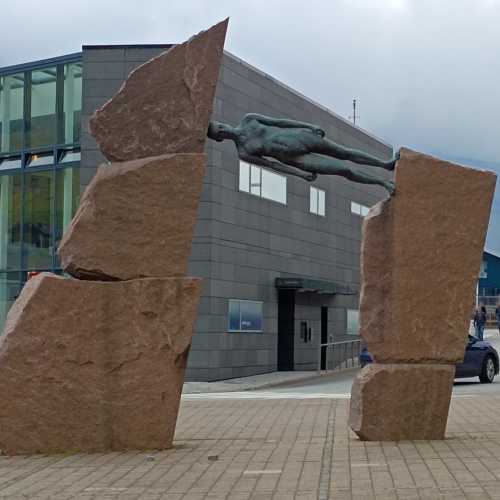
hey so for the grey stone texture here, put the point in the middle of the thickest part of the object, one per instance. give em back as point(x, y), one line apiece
point(243, 242)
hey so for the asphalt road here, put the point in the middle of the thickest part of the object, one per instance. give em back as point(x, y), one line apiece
point(340, 383)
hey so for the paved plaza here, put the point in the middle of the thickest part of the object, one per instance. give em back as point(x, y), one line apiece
point(287, 447)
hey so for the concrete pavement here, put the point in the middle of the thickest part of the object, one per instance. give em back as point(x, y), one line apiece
point(252, 383)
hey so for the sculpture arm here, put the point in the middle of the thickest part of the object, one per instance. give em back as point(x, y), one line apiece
point(283, 123)
point(277, 166)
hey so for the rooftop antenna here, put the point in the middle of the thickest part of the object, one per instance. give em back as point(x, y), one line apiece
point(353, 117)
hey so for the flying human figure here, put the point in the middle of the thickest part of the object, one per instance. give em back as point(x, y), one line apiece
point(297, 148)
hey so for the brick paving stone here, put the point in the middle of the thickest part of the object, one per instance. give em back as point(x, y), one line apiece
point(279, 449)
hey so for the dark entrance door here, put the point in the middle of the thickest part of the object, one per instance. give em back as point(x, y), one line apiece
point(286, 333)
point(324, 335)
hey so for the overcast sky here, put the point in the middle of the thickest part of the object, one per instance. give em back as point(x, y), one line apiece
point(425, 73)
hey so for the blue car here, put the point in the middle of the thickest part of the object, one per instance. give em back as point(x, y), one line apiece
point(480, 360)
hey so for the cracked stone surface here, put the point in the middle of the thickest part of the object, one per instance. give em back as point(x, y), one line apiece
point(420, 257)
point(136, 219)
point(165, 105)
point(91, 366)
point(421, 252)
point(395, 402)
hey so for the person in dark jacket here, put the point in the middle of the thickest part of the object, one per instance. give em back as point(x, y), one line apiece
point(480, 317)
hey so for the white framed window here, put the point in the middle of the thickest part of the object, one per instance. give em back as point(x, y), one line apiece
point(262, 182)
point(358, 209)
point(352, 322)
point(316, 201)
point(245, 316)
point(483, 271)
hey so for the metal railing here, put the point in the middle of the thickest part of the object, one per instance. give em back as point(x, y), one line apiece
point(339, 355)
point(490, 301)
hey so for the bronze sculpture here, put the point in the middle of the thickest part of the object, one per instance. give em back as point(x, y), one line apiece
point(300, 149)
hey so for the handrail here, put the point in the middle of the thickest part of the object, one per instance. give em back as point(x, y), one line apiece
point(348, 358)
point(341, 342)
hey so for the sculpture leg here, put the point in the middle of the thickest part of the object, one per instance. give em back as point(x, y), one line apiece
point(330, 166)
point(326, 147)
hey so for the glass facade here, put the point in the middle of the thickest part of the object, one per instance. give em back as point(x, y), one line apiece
point(42, 118)
point(40, 108)
point(11, 112)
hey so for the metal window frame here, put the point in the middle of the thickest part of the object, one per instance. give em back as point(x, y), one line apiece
point(317, 189)
point(259, 183)
point(25, 152)
point(40, 64)
point(361, 209)
point(347, 331)
point(284, 177)
point(240, 330)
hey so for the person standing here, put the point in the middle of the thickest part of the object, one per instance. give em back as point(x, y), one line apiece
point(480, 317)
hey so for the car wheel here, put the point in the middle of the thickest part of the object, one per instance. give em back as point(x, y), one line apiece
point(487, 371)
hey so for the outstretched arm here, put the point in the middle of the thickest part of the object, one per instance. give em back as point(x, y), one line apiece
point(283, 123)
point(277, 166)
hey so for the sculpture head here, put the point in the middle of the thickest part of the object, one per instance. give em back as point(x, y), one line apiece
point(219, 131)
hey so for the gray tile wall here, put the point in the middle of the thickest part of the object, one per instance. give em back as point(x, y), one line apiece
point(243, 242)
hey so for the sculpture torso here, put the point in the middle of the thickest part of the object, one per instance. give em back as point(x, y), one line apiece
point(262, 140)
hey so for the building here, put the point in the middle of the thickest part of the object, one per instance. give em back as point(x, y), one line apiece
point(489, 276)
point(279, 256)
point(488, 287)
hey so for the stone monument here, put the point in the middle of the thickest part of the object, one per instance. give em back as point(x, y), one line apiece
point(96, 362)
point(421, 254)
point(420, 258)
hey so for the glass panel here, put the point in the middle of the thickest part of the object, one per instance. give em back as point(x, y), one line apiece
point(67, 200)
point(352, 321)
point(321, 202)
point(273, 186)
point(43, 108)
point(255, 189)
point(10, 288)
point(37, 220)
point(234, 315)
point(69, 156)
point(38, 160)
point(251, 316)
point(72, 102)
point(364, 210)
point(244, 177)
point(355, 208)
point(483, 271)
point(9, 163)
point(11, 112)
point(255, 180)
point(313, 200)
point(255, 175)
point(10, 221)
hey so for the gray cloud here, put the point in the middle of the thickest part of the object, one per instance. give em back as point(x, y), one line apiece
point(425, 73)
